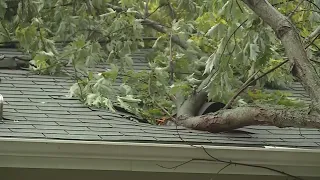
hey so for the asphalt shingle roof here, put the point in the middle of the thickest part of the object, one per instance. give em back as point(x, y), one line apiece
point(36, 107)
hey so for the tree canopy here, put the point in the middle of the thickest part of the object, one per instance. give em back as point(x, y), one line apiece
point(202, 50)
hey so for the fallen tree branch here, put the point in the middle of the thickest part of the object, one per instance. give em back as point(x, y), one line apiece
point(229, 119)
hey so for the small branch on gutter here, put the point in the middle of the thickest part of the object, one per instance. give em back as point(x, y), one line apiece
point(214, 159)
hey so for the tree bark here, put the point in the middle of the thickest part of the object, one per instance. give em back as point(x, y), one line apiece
point(230, 119)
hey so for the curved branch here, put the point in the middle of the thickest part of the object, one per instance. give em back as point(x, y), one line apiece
point(229, 119)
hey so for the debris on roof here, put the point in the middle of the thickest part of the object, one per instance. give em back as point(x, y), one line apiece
point(36, 106)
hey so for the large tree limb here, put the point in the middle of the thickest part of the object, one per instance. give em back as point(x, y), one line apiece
point(229, 119)
point(292, 43)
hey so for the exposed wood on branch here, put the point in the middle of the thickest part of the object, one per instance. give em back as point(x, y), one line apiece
point(229, 119)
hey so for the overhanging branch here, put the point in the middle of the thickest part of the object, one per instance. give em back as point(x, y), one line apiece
point(291, 40)
point(154, 25)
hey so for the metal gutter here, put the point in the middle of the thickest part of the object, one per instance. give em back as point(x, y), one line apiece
point(149, 157)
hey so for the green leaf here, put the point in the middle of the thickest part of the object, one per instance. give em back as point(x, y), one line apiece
point(254, 50)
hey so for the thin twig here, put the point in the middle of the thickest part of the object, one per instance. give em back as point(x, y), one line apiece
point(240, 90)
point(239, 6)
point(314, 35)
point(292, 13)
point(156, 10)
point(171, 61)
point(214, 159)
point(246, 84)
point(250, 165)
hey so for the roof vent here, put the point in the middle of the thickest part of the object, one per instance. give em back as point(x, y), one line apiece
point(1, 107)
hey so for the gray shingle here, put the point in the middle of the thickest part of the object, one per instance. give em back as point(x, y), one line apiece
point(294, 144)
point(59, 108)
point(239, 143)
point(24, 114)
point(314, 136)
point(102, 121)
point(9, 106)
point(6, 85)
point(274, 136)
point(254, 131)
point(16, 126)
point(73, 116)
point(61, 127)
point(99, 133)
point(301, 140)
point(10, 93)
point(5, 130)
point(105, 125)
point(43, 112)
point(25, 122)
point(296, 131)
point(13, 99)
point(116, 130)
point(73, 137)
point(258, 139)
point(21, 135)
point(9, 110)
point(48, 131)
point(29, 103)
point(52, 119)
point(50, 100)
point(127, 138)
point(13, 118)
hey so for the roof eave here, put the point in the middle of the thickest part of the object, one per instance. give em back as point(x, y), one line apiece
point(148, 157)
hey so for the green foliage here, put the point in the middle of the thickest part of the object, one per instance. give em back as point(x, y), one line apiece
point(227, 43)
point(277, 97)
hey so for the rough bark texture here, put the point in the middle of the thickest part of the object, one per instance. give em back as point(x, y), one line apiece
point(229, 119)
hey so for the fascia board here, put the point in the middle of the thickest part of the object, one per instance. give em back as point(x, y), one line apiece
point(153, 157)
